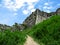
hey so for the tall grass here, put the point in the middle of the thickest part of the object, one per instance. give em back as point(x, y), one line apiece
point(12, 38)
point(48, 31)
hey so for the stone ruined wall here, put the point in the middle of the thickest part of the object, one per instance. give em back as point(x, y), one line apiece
point(38, 16)
point(58, 11)
point(30, 21)
point(4, 27)
point(43, 15)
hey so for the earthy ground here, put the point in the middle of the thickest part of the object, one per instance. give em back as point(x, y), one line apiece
point(30, 41)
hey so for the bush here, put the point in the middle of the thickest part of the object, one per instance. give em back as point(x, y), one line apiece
point(12, 38)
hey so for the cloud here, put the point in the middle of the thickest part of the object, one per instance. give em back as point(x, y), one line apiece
point(25, 11)
point(46, 3)
point(30, 7)
point(13, 5)
point(18, 4)
point(33, 10)
point(47, 7)
point(48, 11)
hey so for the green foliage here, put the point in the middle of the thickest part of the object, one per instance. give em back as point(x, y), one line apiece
point(48, 31)
point(12, 38)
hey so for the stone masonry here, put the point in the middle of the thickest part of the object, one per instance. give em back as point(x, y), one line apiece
point(38, 16)
point(35, 18)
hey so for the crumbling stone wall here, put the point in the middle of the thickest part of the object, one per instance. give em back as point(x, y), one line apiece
point(30, 21)
point(38, 16)
point(58, 11)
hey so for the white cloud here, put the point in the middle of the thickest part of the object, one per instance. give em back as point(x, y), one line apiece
point(30, 7)
point(28, 11)
point(48, 11)
point(25, 11)
point(44, 7)
point(46, 3)
point(17, 4)
point(47, 7)
point(30, 1)
point(33, 10)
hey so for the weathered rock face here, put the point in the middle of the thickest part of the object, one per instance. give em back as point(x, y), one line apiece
point(38, 16)
point(58, 11)
point(30, 21)
point(4, 27)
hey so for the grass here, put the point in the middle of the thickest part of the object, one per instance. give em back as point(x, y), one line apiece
point(47, 32)
point(12, 38)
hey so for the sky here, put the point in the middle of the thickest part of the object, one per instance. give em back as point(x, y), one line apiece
point(16, 11)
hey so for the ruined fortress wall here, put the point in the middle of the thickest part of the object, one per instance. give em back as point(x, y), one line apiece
point(58, 11)
point(39, 19)
point(30, 21)
point(38, 16)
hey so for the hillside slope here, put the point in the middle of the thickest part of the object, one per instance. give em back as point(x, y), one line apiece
point(47, 32)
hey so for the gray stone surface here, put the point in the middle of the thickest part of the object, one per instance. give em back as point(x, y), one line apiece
point(38, 16)
point(35, 18)
point(58, 11)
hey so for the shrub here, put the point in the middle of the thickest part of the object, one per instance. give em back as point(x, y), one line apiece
point(12, 38)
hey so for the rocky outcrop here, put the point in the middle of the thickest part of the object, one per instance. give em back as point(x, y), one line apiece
point(4, 27)
point(38, 16)
point(58, 11)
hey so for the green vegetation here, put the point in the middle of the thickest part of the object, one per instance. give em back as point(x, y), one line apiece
point(47, 32)
point(12, 38)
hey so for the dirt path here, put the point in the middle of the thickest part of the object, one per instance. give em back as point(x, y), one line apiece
point(30, 41)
